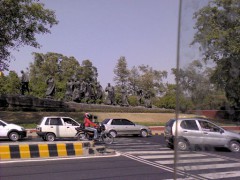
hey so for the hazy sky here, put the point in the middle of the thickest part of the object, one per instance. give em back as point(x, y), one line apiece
point(144, 31)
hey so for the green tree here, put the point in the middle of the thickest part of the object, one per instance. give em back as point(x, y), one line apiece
point(218, 33)
point(10, 84)
point(134, 78)
point(51, 64)
point(121, 72)
point(20, 22)
point(88, 72)
point(152, 80)
point(194, 83)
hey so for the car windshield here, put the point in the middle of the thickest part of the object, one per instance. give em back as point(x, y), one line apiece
point(170, 122)
point(3, 123)
point(105, 121)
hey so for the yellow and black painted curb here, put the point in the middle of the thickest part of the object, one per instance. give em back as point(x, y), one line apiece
point(43, 150)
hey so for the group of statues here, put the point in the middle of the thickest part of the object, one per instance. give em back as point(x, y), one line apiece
point(87, 91)
point(50, 92)
point(83, 91)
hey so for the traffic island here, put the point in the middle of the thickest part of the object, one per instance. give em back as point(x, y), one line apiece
point(49, 150)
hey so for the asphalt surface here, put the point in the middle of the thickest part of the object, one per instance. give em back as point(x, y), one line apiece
point(136, 161)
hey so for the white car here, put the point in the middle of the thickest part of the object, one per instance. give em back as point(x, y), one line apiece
point(119, 126)
point(53, 127)
point(12, 131)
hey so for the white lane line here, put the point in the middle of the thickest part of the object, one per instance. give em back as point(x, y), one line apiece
point(57, 158)
point(218, 175)
point(150, 152)
point(211, 166)
point(171, 156)
point(190, 178)
point(191, 161)
point(136, 144)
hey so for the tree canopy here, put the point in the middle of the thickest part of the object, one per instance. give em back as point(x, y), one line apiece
point(20, 22)
point(218, 33)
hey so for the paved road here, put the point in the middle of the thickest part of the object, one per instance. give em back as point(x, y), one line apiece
point(141, 158)
point(205, 163)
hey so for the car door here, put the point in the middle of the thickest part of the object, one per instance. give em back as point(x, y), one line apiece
point(55, 125)
point(3, 130)
point(212, 134)
point(190, 130)
point(117, 125)
point(129, 127)
point(70, 127)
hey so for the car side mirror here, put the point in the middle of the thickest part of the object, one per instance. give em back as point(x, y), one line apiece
point(221, 131)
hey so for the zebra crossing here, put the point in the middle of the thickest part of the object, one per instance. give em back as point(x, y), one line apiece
point(188, 165)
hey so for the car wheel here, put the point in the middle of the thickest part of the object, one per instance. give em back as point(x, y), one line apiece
point(234, 146)
point(113, 133)
point(182, 145)
point(14, 136)
point(50, 137)
point(144, 133)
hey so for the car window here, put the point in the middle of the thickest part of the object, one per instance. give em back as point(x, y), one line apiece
point(189, 124)
point(116, 122)
point(127, 122)
point(207, 126)
point(53, 121)
point(69, 121)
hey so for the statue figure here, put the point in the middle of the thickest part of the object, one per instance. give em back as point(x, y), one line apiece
point(83, 90)
point(124, 96)
point(110, 95)
point(76, 90)
point(50, 87)
point(69, 90)
point(99, 91)
point(140, 98)
point(24, 82)
point(90, 94)
point(148, 103)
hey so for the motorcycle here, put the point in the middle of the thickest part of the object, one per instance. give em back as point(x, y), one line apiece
point(84, 134)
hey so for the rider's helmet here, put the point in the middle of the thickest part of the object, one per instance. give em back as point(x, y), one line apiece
point(88, 115)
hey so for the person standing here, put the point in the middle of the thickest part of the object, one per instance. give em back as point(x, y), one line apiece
point(24, 82)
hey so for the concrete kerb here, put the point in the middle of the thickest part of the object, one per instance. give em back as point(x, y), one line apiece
point(28, 150)
point(25, 150)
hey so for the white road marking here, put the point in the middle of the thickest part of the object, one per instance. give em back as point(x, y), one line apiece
point(56, 158)
point(218, 175)
point(210, 166)
point(150, 152)
point(191, 161)
point(171, 156)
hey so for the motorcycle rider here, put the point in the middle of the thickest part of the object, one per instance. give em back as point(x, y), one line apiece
point(89, 125)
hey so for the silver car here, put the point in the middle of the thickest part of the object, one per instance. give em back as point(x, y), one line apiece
point(125, 127)
point(192, 132)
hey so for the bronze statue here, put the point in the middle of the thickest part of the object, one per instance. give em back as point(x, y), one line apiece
point(50, 87)
point(76, 90)
point(124, 96)
point(110, 95)
point(148, 102)
point(69, 90)
point(24, 82)
point(140, 97)
point(99, 91)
